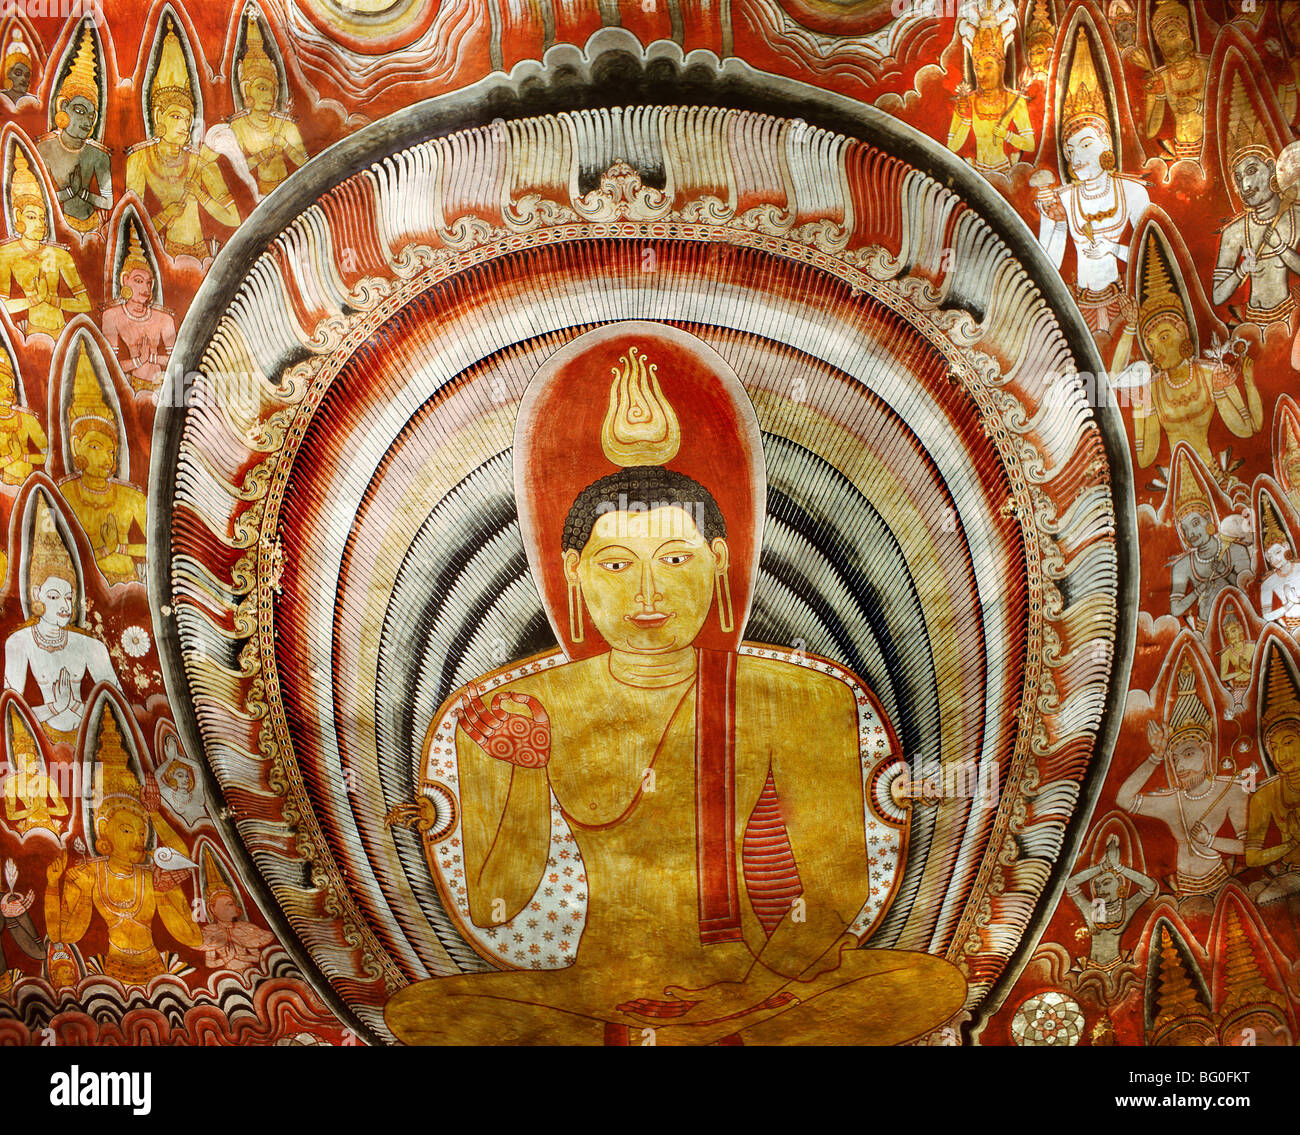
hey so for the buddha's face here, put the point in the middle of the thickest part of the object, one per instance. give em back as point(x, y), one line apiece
point(1190, 757)
point(259, 94)
point(988, 72)
point(20, 78)
point(81, 114)
point(55, 601)
point(1175, 40)
point(173, 124)
point(1165, 341)
point(126, 835)
point(1234, 634)
point(1254, 177)
point(30, 222)
point(1283, 744)
point(1276, 554)
point(95, 453)
point(1197, 528)
point(1083, 150)
point(1106, 886)
point(137, 287)
point(647, 578)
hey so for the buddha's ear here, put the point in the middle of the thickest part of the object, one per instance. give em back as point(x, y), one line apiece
point(570, 562)
point(719, 546)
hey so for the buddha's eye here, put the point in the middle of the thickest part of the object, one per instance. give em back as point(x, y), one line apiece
point(615, 565)
point(675, 559)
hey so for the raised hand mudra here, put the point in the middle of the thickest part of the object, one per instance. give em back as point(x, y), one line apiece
point(522, 739)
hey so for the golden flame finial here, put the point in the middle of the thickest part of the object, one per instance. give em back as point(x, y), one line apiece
point(640, 426)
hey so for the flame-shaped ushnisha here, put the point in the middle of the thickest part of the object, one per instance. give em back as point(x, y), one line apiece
point(640, 426)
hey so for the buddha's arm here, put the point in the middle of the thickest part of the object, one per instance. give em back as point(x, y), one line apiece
point(505, 820)
point(821, 801)
point(178, 919)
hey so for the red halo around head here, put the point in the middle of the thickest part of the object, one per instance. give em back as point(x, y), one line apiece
point(558, 453)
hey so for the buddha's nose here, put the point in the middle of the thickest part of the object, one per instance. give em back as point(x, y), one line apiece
point(648, 595)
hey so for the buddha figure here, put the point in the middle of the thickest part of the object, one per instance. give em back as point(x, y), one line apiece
point(661, 753)
point(1180, 84)
point(1262, 244)
point(58, 655)
point(120, 885)
point(1273, 825)
point(109, 509)
point(1100, 208)
point(80, 166)
point(23, 443)
point(35, 267)
point(1196, 803)
point(16, 70)
point(168, 172)
point(998, 117)
point(141, 335)
point(1236, 658)
point(1183, 393)
point(269, 141)
point(32, 801)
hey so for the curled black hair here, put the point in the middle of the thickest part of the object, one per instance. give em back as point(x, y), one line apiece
point(641, 488)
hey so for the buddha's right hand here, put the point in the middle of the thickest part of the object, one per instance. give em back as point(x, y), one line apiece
point(54, 872)
point(522, 739)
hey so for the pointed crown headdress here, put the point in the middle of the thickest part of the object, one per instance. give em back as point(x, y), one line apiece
point(1246, 135)
point(256, 64)
point(1272, 528)
point(1085, 102)
point(118, 784)
point(135, 255)
point(22, 742)
point(171, 82)
point(1169, 13)
point(88, 411)
point(1290, 442)
point(1189, 715)
point(80, 79)
point(1040, 28)
point(1281, 698)
point(1160, 300)
point(50, 557)
point(16, 52)
point(1247, 990)
point(216, 879)
point(1191, 496)
point(24, 188)
point(987, 44)
point(1178, 999)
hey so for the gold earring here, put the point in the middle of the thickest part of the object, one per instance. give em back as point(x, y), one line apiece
point(576, 631)
point(722, 585)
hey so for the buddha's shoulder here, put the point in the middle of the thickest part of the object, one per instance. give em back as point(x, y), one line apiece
point(779, 679)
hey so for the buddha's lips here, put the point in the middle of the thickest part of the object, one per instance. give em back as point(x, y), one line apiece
point(649, 619)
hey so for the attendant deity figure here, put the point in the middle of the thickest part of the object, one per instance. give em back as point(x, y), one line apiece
point(1275, 804)
point(644, 556)
point(1180, 84)
point(1262, 244)
point(1236, 658)
point(58, 655)
point(230, 941)
point(997, 116)
point(1108, 912)
point(1122, 18)
point(80, 166)
point(268, 141)
point(16, 69)
point(119, 885)
point(1279, 593)
point(1197, 803)
point(1100, 209)
point(36, 267)
point(1288, 461)
point(141, 335)
point(1182, 393)
point(179, 784)
point(1210, 563)
point(1040, 37)
point(32, 800)
point(168, 172)
point(17, 921)
point(23, 443)
point(110, 509)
